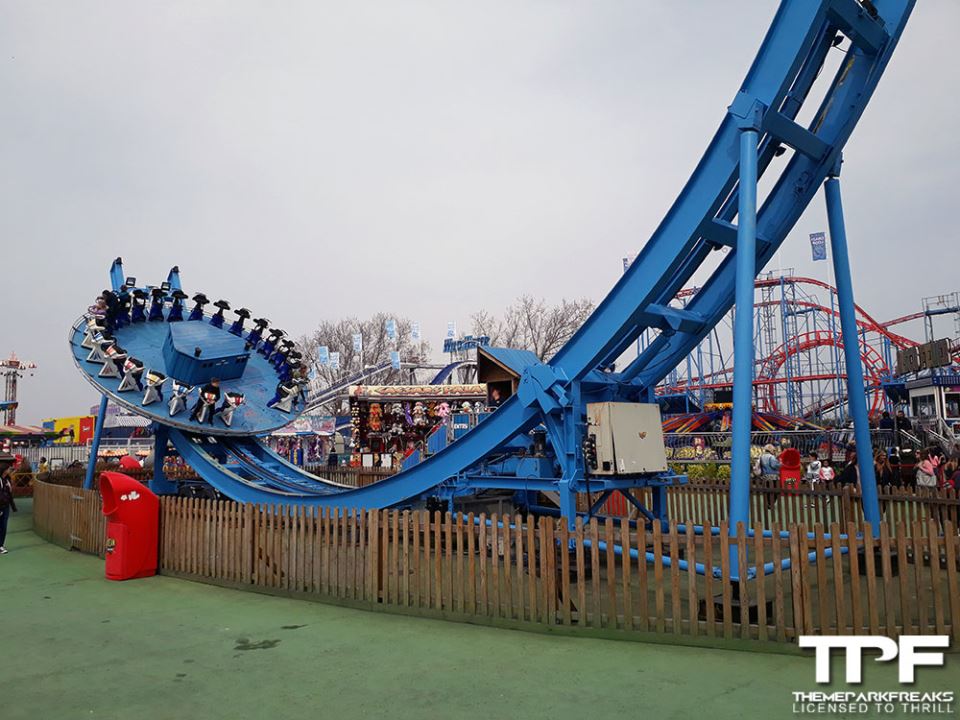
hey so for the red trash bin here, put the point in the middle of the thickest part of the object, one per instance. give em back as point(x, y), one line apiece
point(133, 526)
point(790, 469)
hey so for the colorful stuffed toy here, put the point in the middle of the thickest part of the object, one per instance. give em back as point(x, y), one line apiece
point(375, 419)
point(419, 414)
point(443, 411)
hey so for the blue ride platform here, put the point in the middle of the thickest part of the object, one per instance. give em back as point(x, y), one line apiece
point(254, 376)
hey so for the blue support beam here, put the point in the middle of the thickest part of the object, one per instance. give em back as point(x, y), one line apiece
point(95, 445)
point(724, 234)
point(746, 258)
point(796, 136)
point(856, 393)
point(855, 21)
point(159, 483)
point(671, 319)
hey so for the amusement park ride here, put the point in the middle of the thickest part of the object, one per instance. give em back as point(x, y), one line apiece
point(12, 369)
point(799, 370)
point(583, 395)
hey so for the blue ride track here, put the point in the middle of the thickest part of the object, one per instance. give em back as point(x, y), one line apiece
point(701, 221)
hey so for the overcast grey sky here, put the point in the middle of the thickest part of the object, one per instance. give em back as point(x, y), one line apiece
point(323, 159)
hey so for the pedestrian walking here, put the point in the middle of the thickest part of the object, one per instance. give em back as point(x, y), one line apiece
point(7, 505)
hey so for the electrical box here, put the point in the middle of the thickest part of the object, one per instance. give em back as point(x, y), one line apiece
point(624, 439)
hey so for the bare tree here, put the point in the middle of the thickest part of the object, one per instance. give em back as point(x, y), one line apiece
point(337, 336)
point(531, 324)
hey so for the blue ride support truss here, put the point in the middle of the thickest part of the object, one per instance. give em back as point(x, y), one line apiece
point(856, 394)
point(716, 210)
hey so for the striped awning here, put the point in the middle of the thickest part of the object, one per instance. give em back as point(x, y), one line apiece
point(126, 421)
point(25, 431)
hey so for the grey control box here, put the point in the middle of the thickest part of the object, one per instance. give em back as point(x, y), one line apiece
point(628, 437)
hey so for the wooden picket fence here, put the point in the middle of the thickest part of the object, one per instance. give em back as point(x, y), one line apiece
point(603, 577)
point(706, 503)
point(70, 517)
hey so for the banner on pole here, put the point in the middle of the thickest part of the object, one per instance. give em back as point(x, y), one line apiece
point(451, 329)
point(395, 359)
point(323, 355)
point(335, 360)
point(415, 331)
point(818, 245)
point(391, 330)
point(358, 343)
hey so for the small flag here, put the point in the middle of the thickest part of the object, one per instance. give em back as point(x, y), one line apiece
point(358, 342)
point(395, 359)
point(451, 329)
point(415, 331)
point(391, 330)
point(323, 355)
point(818, 245)
point(335, 360)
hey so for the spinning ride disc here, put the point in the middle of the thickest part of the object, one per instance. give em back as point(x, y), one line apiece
point(142, 350)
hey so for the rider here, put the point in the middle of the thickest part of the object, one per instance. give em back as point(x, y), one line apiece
point(208, 391)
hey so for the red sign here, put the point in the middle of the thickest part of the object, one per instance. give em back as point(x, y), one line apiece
point(86, 429)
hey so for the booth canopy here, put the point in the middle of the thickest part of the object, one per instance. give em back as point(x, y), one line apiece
point(392, 393)
point(25, 431)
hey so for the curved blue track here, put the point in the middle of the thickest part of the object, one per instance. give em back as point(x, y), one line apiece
point(700, 222)
point(447, 370)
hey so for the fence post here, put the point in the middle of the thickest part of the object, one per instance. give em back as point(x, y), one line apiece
point(796, 581)
point(373, 564)
point(247, 540)
point(846, 505)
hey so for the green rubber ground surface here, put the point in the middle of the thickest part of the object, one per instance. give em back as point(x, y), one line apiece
point(73, 645)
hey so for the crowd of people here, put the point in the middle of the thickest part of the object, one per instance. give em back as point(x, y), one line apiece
point(932, 468)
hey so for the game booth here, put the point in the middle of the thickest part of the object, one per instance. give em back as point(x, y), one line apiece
point(305, 441)
point(390, 421)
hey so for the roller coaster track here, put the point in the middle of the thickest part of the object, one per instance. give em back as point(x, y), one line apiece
point(875, 367)
point(322, 396)
point(709, 380)
point(700, 222)
point(864, 320)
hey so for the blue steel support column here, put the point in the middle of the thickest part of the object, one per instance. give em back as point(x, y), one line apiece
point(158, 481)
point(856, 393)
point(746, 261)
point(95, 445)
